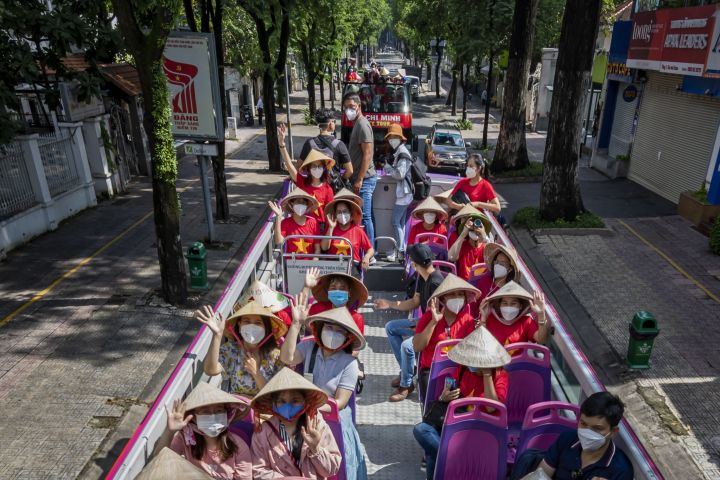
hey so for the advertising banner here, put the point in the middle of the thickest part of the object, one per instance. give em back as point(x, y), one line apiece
point(190, 66)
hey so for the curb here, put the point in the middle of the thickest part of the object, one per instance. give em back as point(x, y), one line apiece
point(574, 232)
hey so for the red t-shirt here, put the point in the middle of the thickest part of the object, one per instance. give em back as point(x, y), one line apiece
point(419, 228)
point(324, 194)
point(522, 330)
point(472, 385)
point(461, 328)
point(468, 257)
point(358, 238)
point(482, 192)
point(319, 307)
point(300, 245)
point(285, 315)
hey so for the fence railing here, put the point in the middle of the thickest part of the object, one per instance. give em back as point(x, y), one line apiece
point(60, 169)
point(16, 190)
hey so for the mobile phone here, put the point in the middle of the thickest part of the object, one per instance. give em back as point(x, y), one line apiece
point(450, 383)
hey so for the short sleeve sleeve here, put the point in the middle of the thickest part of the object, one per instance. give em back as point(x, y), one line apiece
point(342, 155)
point(501, 386)
point(366, 134)
point(365, 244)
point(423, 322)
point(315, 226)
point(305, 349)
point(349, 376)
point(488, 191)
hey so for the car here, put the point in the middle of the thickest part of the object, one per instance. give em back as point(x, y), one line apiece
point(414, 83)
point(445, 149)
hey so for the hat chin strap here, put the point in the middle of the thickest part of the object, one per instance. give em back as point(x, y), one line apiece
point(341, 347)
point(242, 342)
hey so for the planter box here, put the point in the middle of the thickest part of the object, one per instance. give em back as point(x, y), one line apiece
point(695, 211)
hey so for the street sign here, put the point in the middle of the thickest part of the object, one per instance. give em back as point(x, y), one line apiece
point(208, 149)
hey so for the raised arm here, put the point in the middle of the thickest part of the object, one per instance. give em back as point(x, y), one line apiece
point(422, 339)
point(289, 165)
point(454, 252)
point(216, 324)
point(538, 306)
point(288, 352)
point(278, 236)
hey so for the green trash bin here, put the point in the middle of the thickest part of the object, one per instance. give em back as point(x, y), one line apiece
point(198, 267)
point(643, 330)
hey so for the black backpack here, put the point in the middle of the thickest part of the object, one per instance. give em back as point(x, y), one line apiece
point(418, 179)
point(335, 180)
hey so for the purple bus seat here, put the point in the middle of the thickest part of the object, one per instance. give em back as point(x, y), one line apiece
point(544, 423)
point(440, 368)
point(477, 430)
point(445, 267)
point(438, 244)
point(245, 426)
point(332, 418)
point(477, 271)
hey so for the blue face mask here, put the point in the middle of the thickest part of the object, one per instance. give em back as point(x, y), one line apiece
point(288, 410)
point(338, 297)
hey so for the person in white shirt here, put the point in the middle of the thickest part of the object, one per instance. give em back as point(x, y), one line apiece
point(399, 171)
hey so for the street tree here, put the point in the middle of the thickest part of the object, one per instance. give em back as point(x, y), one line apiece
point(145, 26)
point(560, 196)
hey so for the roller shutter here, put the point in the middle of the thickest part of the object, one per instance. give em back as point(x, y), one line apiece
point(621, 136)
point(674, 138)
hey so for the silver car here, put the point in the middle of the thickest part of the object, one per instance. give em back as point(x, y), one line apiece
point(445, 149)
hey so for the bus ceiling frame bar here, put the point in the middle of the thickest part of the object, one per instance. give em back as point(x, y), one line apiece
point(206, 196)
point(287, 104)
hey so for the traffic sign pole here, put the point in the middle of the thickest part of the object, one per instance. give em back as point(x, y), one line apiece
point(206, 196)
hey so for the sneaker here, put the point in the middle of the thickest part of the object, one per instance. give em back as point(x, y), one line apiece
point(401, 393)
point(391, 258)
point(395, 382)
point(373, 261)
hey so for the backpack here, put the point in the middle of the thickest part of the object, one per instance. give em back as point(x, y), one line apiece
point(418, 179)
point(335, 180)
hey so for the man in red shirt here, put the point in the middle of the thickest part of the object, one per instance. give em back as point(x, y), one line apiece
point(468, 248)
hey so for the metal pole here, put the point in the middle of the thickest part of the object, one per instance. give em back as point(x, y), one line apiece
point(587, 119)
point(206, 196)
point(287, 102)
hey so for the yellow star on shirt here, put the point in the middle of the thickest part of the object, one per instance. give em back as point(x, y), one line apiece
point(301, 245)
point(342, 248)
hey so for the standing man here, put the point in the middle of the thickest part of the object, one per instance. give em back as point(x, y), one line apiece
point(360, 148)
point(259, 107)
point(330, 146)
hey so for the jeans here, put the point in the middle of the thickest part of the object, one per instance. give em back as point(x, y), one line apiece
point(366, 192)
point(398, 223)
point(429, 440)
point(402, 347)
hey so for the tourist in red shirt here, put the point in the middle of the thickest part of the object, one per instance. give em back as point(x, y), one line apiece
point(508, 315)
point(343, 220)
point(312, 176)
point(298, 204)
point(468, 247)
point(432, 218)
point(478, 189)
point(447, 317)
point(334, 290)
point(501, 262)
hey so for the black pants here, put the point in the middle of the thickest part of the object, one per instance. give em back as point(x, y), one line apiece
point(260, 115)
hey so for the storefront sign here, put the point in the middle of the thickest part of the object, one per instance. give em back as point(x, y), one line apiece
point(630, 93)
point(190, 66)
point(619, 72)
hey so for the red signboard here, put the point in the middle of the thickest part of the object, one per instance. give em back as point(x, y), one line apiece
point(383, 120)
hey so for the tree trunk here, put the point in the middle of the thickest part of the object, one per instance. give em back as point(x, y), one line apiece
point(453, 90)
point(487, 101)
point(322, 94)
point(560, 192)
point(270, 121)
point(438, 70)
point(311, 92)
point(511, 152)
point(222, 208)
point(465, 74)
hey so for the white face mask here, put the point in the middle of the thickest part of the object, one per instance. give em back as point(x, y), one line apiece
point(317, 172)
point(394, 143)
point(455, 304)
point(473, 236)
point(589, 439)
point(252, 334)
point(470, 172)
point(212, 425)
point(299, 209)
point(343, 218)
point(351, 114)
point(429, 217)
point(332, 339)
point(499, 271)
point(509, 313)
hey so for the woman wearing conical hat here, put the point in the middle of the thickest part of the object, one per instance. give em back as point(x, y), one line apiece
point(328, 362)
point(501, 262)
point(201, 431)
point(447, 317)
point(344, 219)
point(476, 187)
point(335, 290)
point(268, 298)
point(469, 244)
point(245, 348)
point(168, 465)
point(295, 441)
point(298, 204)
point(480, 359)
point(432, 219)
point(508, 315)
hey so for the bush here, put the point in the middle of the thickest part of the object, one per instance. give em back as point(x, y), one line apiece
point(701, 195)
point(461, 124)
point(535, 169)
point(307, 118)
point(530, 217)
point(715, 237)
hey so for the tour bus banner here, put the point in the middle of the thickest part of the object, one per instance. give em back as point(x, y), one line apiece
point(190, 67)
point(683, 41)
point(295, 270)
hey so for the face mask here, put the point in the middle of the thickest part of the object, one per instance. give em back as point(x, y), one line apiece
point(509, 313)
point(343, 218)
point(332, 339)
point(299, 209)
point(589, 439)
point(470, 172)
point(252, 334)
point(350, 113)
point(394, 143)
point(473, 236)
point(338, 297)
point(212, 425)
point(288, 410)
point(499, 271)
point(429, 217)
point(455, 304)
point(317, 172)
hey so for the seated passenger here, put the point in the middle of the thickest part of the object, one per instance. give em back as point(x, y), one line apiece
point(168, 464)
point(347, 194)
point(507, 315)
point(295, 441)
point(432, 217)
point(249, 356)
point(334, 290)
point(268, 298)
point(447, 317)
point(588, 452)
point(299, 204)
point(344, 219)
point(469, 246)
point(329, 362)
point(478, 189)
point(201, 431)
point(501, 262)
point(480, 374)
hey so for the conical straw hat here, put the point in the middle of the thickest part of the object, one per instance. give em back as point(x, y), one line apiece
point(355, 210)
point(265, 296)
point(480, 349)
point(338, 316)
point(453, 283)
point(511, 289)
point(317, 156)
point(493, 249)
point(279, 328)
point(205, 394)
point(429, 205)
point(358, 292)
point(288, 379)
point(346, 194)
point(294, 195)
point(168, 465)
point(384, 72)
point(470, 211)
point(444, 195)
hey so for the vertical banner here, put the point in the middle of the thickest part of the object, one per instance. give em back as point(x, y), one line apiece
point(190, 67)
